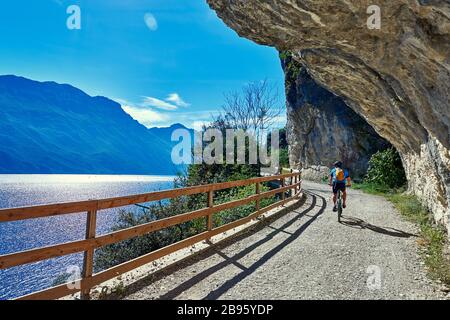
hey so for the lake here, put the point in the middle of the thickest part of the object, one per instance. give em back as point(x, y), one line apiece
point(27, 190)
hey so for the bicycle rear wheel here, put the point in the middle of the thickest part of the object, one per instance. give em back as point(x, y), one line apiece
point(339, 202)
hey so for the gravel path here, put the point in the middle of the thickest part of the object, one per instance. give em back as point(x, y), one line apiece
point(307, 254)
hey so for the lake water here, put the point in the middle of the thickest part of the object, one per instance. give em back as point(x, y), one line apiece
point(27, 190)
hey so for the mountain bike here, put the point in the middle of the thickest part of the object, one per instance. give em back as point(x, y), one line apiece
point(339, 203)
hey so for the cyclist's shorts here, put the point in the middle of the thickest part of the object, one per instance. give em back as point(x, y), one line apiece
point(338, 186)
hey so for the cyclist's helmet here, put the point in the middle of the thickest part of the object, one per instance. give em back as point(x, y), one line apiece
point(338, 164)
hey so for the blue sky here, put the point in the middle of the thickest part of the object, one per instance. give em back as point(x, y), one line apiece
point(165, 61)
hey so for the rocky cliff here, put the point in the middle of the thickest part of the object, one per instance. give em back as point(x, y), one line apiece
point(396, 77)
point(321, 128)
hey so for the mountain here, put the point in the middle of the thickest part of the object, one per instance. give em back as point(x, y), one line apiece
point(165, 134)
point(47, 127)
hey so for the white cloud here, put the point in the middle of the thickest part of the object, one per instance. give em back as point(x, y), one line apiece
point(147, 117)
point(198, 125)
point(175, 98)
point(121, 101)
point(171, 103)
point(160, 104)
point(151, 21)
point(146, 114)
point(279, 122)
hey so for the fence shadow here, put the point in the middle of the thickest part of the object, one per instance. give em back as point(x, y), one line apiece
point(215, 294)
point(234, 260)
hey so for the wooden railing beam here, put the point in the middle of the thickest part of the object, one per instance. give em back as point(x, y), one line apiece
point(35, 255)
point(40, 211)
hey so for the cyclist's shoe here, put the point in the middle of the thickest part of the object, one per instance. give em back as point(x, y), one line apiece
point(344, 206)
point(334, 208)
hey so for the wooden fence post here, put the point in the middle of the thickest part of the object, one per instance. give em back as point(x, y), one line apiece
point(295, 183)
point(299, 182)
point(258, 201)
point(283, 194)
point(88, 262)
point(210, 205)
point(292, 190)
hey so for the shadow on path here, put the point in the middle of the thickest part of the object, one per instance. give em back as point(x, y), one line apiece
point(361, 224)
point(213, 295)
point(234, 260)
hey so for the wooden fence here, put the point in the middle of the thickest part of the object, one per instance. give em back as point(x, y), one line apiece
point(290, 181)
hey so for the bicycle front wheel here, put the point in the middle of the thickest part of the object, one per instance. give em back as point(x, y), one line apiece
point(339, 206)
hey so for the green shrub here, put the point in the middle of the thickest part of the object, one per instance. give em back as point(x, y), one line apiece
point(284, 158)
point(386, 169)
point(376, 189)
point(292, 67)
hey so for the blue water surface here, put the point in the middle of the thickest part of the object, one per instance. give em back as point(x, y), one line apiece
point(27, 190)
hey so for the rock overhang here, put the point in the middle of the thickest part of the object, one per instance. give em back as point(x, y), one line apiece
point(397, 77)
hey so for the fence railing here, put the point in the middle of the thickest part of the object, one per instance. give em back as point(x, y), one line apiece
point(290, 181)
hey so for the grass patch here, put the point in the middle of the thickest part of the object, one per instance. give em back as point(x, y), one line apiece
point(375, 189)
point(433, 238)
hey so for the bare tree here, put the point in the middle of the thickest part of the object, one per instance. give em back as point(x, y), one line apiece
point(256, 107)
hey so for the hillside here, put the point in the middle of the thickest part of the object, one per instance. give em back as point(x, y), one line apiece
point(47, 127)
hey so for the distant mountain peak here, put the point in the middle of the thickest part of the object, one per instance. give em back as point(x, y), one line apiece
point(173, 126)
point(178, 126)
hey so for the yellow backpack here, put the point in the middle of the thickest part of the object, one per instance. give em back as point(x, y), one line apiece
point(340, 174)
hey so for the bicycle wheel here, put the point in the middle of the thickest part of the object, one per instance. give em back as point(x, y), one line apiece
point(339, 205)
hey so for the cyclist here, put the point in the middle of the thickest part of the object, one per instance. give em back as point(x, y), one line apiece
point(338, 177)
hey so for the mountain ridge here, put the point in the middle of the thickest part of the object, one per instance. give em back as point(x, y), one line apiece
point(47, 127)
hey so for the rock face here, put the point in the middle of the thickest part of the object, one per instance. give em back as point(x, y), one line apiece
point(396, 77)
point(321, 128)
